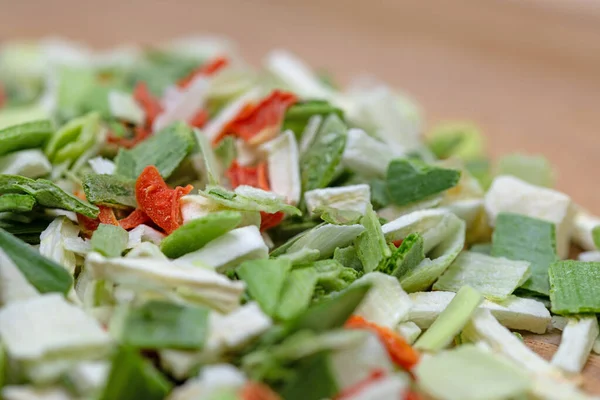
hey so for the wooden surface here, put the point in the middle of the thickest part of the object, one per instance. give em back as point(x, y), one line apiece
point(527, 71)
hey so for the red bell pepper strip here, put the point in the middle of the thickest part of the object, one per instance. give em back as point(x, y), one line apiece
point(261, 122)
point(158, 201)
point(401, 353)
point(205, 69)
point(137, 217)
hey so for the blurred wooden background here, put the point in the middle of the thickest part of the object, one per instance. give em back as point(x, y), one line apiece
point(527, 71)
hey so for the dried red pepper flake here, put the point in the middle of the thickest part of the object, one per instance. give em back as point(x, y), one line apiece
point(401, 353)
point(137, 217)
point(262, 122)
point(358, 387)
point(398, 242)
point(199, 119)
point(158, 201)
point(107, 216)
point(268, 221)
point(258, 391)
point(148, 102)
point(411, 395)
point(205, 69)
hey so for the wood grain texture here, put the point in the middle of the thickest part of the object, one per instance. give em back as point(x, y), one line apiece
point(525, 70)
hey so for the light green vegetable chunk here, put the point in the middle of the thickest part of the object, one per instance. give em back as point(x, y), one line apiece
point(246, 198)
point(164, 325)
point(596, 236)
point(43, 274)
point(533, 169)
point(110, 190)
point(25, 136)
point(73, 139)
point(165, 150)
point(318, 164)
point(347, 257)
point(133, 377)
point(496, 278)
point(339, 217)
point(575, 287)
point(297, 293)
point(47, 194)
point(109, 240)
point(226, 151)
point(16, 202)
point(410, 180)
point(197, 232)
point(371, 247)
point(265, 280)
point(297, 116)
point(456, 139)
point(468, 373)
point(318, 370)
point(451, 321)
point(406, 257)
point(518, 237)
point(482, 248)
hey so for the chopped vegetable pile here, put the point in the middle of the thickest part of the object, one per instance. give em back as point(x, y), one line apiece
point(175, 224)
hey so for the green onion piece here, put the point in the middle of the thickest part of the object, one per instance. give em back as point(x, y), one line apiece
point(596, 236)
point(109, 240)
point(451, 321)
point(226, 151)
point(518, 237)
point(16, 202)
point(197, 232)
point(319, 372)
point(371, 247)
point(73, 139)
point(331, 312)
point(165, 150)
point(332, 276)
point(298, 115)
point(265, 280)
point(133, 377)
point(468, 373)
point(110, 190)
point(410, 180)
point(348, 258)
point(297, 293)
point(406, 257)
point(44, 274)
point(575, 287)
point(25, 136)
point(163, 325)
point(495, 278)
point(533, 169)
point(46, 194)
point(318, 164)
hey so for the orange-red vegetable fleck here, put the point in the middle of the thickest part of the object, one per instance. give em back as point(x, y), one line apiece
point(261, 122)
point(158, 201)
point(137, 217)
point(206, 69)
point(107, 216)
point(199, 119)
point(148, 102)
point(398, 242)
point(258, 391)
point(401, 353)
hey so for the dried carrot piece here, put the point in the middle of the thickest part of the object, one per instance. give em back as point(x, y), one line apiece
point(107, 216)
point(199, 119)
point(137, 217)
point(258, 391)
point(206, 69)
point(398, 242)
point(158, 201)
point(148, 102)
point(262, 122)
point(401, 353)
